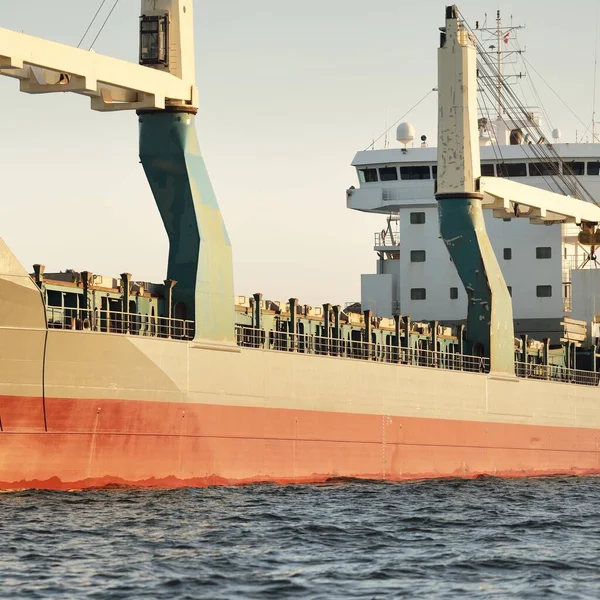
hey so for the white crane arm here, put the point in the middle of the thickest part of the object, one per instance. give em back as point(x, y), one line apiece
point(512, 199)
point(43, 66)
point(166, 77)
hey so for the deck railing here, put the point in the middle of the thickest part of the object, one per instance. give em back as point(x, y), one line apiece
point(556, 373)
point(109, 321)
point(385, 239)
point(283, 341)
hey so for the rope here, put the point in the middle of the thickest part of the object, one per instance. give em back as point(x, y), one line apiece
point(103, 24)
point(91, 23)
point(555, 92)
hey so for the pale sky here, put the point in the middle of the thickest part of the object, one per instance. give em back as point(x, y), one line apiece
point(289, 91)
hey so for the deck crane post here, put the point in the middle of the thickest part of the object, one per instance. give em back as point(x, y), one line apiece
point(462, 194)
point(162, 91)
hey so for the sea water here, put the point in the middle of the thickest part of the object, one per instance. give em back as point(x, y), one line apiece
point(483, 538)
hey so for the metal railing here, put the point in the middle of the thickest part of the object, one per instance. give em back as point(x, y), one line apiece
point(282, 341)
point(556, 373)
point(387, 239)
point(109, 321)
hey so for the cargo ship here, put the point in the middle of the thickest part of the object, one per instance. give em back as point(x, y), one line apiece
point(113, 381)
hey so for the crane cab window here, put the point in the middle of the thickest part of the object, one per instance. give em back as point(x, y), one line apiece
point(415, 172)
point(153, 40)
point(388, 173)
point(367, 175)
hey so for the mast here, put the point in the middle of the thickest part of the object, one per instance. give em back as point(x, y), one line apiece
point(594, 131)
point(499, 61)
point(495, 39)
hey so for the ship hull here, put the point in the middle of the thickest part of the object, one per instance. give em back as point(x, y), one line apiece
point(83, 443)
point(83, 409)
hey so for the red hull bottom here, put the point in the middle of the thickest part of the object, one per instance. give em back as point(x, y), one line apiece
point(75, 444)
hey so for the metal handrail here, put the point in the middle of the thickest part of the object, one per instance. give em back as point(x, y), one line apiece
point(556, 373)
point(283, 341)
point(387, 240)
point(109, 321)
point(66, 318)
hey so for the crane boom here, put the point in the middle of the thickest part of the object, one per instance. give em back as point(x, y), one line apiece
point(43, 66)
point(511, 198)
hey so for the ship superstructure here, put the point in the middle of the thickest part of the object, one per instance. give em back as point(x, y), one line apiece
point(108, 380)
point(414, 274)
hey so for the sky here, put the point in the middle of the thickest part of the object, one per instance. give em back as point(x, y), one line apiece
point(289, 91)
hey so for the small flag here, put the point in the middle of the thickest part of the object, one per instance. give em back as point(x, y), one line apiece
point(506, 36)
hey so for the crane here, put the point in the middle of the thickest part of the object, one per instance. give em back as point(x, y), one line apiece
point(462, 194)
point(161, 89)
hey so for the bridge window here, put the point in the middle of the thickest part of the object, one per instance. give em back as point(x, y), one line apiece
point(415, 172)
point(543, 169)
point(367, 175)
point(487, 170)
point(544, 252)
point(543, 291)
point(453, 293)
point(507, 253)
point(509, 288)
point(417, 218)
point(418, 294)
point(574, 168)
point(434, 171)
point(593, 168)
point(388, 174)
point(417, 256)
point(512, 170)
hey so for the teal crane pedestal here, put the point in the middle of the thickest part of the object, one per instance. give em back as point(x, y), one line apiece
point(490, 328)
point(200, 257)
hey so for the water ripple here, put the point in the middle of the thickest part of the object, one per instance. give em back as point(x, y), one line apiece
point(485, 538)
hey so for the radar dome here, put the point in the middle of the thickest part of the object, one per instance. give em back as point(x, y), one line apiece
point(556, 134)
point(405, 133)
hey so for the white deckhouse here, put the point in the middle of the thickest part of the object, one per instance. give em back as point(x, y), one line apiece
point(414, 274)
